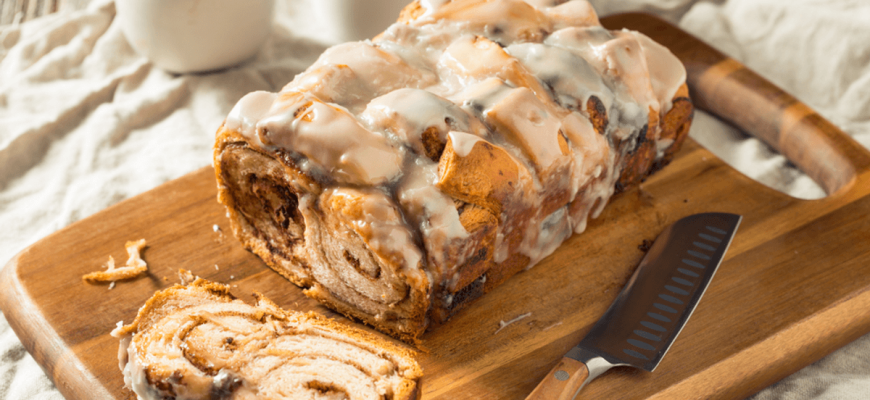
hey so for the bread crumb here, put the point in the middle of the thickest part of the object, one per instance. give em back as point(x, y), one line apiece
point(112, 285)
point(216, 228)
point(185, 276)
point(232, 277)
point(134, 267)
point(502, 324)
point(645, 245)
point(552, 326)
point(117, 331)
point(216, 268)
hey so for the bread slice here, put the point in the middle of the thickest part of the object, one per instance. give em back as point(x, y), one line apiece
point(196, 341)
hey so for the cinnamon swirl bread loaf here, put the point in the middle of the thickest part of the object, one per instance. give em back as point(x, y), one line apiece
point(196, 341)
point(400, 178)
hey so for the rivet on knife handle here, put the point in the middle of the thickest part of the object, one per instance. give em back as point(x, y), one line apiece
point(651, 310)
point(563, 381)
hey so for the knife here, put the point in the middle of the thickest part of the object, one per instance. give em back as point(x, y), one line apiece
point(642, 323)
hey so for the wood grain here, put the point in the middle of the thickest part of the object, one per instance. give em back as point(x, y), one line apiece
point(794, 286)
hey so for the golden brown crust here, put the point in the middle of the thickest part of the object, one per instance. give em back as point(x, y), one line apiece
point(504, 185)
point(262, 198)
point(674, 126)
point(177, 296)
point(481, 226)
point(597, 114)
point(486, 177)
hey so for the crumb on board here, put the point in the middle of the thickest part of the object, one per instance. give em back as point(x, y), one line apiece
point(502, 324)
point(112, 285)
point(216, 228)
point(134, 266)
point(232, 277)
point(185, 276)
point(216, 268)
point(645, 246)
point(118, 328)
point(552, 326)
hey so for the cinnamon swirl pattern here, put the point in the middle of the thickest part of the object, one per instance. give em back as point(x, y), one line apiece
point(398, 179)
point(197, 342)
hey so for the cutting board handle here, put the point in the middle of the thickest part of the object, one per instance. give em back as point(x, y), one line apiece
point(726, 88)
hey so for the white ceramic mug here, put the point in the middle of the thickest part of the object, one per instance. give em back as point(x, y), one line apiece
point(351, 20)
point(196, 35)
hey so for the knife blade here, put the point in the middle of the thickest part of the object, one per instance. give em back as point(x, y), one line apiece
point(651, 310)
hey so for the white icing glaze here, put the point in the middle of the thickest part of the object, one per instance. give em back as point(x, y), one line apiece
point(477, 99)
point(407, 113)
point(331, 83)
point(573, 13)
point(355, 112)
point(626, 62)
point(433, 212)
point(387, 235)
point(382, 71)
point(526, 123)
point(591, 150)
point(332, 138)
point(430, 6)
point(248, 111)
point(617, 57)
point(474, 58)
point(463, 143)
point(666, 72)
point(662, 145)
point(548, 236)
point(549, 63)
point(504, 21)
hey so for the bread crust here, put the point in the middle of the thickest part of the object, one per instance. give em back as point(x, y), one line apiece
point(519, 168)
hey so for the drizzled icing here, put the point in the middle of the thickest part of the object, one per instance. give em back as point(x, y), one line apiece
point(549, 64)
point(248, 112)
point(356, 155)
point(431, 211)
point(407, 113)
point(373, 216)
point(512, 74)
point(380, 70)
point(463, 143)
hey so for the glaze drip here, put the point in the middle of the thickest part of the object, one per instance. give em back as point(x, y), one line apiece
point(504, 123)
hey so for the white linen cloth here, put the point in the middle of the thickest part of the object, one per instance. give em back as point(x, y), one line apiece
point(85, 123)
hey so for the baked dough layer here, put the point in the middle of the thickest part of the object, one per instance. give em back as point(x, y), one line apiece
point(398, 179)
point(196, 341)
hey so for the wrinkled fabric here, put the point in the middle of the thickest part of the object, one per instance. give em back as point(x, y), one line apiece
point(86, 123)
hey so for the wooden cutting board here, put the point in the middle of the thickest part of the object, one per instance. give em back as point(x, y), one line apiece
point(792, 288)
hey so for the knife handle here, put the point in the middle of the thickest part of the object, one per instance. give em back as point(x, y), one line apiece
point(562, 382)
